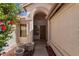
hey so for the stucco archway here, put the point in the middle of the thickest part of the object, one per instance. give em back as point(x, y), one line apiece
point(40, 9)
point(39, 20)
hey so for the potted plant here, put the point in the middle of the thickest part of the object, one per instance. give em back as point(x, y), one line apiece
point(8, 14)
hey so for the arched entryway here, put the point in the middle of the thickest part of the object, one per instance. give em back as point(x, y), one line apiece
point(40, 25)
point(40, 33)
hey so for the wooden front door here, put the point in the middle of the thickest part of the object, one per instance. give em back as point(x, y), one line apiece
point(43, 32)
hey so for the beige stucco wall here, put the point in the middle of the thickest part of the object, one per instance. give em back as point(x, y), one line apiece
point(64, 30)
point(33, 9)
point(44, 7)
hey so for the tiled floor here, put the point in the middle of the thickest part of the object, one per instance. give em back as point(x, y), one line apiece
point(40, 48)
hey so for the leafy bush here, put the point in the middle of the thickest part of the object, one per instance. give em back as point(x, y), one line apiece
point(8, 14)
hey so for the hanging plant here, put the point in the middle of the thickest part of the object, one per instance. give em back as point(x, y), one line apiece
point(8, 14)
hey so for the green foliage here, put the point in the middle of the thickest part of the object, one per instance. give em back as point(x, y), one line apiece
point(8, 12)
point(9, 9)
point(4, 36)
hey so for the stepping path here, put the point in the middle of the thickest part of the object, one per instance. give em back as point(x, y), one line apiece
point(40, 49)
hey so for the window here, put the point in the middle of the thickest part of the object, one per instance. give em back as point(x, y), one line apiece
point(23, 30)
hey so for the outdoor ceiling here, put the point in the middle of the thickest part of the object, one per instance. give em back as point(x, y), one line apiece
point(45, 7)
point(40, 16)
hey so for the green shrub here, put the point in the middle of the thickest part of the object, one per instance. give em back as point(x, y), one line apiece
point(8, 14)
